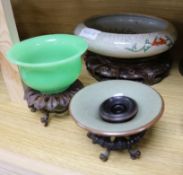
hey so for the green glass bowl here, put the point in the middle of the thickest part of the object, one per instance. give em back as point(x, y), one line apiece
point(49, 63)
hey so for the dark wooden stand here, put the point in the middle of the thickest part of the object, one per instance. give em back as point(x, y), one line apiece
point(56, 103)
point(118, 143)
point(149, 71)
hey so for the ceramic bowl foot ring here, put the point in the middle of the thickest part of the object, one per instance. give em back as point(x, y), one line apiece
point(56, 103)
point(118, 143)
point(148, 71)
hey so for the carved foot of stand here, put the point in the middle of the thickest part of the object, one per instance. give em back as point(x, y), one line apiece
point(45, 119)
point(134, 153)
point(118, 143)
point(104, 156)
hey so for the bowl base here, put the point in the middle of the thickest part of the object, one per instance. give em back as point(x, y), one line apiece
point(149, 71)
point(118, 143)
point(55, 103)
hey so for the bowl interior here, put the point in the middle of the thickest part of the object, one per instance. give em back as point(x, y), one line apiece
point(47, 49)
point(127, 24)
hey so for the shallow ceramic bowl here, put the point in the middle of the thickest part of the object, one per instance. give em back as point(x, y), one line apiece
point(85, 107)
point(49, 63)
point(127, 35)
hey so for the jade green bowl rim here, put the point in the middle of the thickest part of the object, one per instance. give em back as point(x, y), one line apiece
point(81, 51)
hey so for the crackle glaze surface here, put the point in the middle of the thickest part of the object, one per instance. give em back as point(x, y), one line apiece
point(127, 35)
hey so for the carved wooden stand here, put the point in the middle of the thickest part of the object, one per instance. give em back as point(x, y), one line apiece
point(149, 71)
point(118, 143)
point(56, 103)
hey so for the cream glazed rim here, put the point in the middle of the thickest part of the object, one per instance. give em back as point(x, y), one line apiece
point(153, 35)
point(84, 107)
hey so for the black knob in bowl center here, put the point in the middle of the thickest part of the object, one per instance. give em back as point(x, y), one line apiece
point(118, 109)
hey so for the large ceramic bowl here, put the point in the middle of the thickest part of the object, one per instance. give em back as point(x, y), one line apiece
point(49, 63)
point(127, 35)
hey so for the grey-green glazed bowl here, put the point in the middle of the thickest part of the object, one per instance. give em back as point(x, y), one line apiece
point(84, 107)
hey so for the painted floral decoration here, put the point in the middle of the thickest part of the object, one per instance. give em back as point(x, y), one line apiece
point(158, 41)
